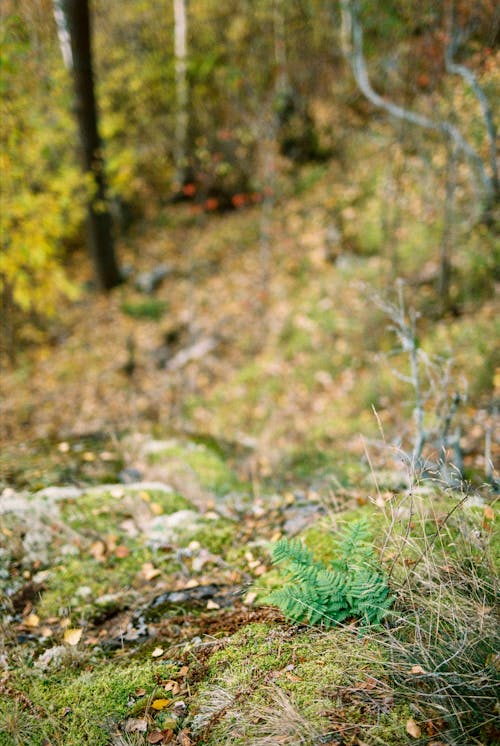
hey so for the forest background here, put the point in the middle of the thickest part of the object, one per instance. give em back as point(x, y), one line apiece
point(300, 208)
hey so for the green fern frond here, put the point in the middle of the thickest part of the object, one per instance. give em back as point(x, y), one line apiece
point(351, 586)
point(292, 550)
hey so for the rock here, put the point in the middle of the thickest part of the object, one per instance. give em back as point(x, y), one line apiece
point(52, 657)
point(148, 282)
point(166, 529)
point(130, 475)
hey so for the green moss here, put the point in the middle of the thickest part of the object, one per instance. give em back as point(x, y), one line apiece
point(208, 464)
point(300, 686)
point(216, 536)
point(81, 708)
point(152, 309)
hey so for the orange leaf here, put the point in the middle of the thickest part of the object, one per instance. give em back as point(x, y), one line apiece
point(489, 513)
point(122, 551)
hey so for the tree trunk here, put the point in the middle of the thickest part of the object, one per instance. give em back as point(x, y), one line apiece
point(73, 21)
point(181, 89)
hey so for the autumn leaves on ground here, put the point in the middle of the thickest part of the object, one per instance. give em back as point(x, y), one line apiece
point(163, 441)
point(250, 496)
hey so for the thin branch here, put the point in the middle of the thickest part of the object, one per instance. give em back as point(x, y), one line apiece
point(454, 68)
point(352, 46)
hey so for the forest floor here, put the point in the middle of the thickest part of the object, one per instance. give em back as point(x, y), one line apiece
point(164, 438)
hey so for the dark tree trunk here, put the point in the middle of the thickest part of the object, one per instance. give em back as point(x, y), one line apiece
point(100, 236)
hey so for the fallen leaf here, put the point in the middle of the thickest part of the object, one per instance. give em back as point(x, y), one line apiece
point(489, 513)
point(72, 636)
point(33, 620)
point(157, 652)
point(156, 736)
point(140, 692)
point(412, 728)
point(136, 725)
point(172, 686)
point(65, 622)
point(122, 551)
point(417, 669)
point(184, 671)
point(145, 496)
point(160, 704)
point(46, 632)
point(88, 456)
point(250, 598)
point(183, 738)
point(156, 508)
point(98, 551)
point(212, 605)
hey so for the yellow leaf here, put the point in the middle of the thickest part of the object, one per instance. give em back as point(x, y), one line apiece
point(160, 704)
point(412, 728)
point(156, 508)
point(33, 620)
point(72, 636)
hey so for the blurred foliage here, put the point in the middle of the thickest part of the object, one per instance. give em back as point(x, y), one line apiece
point(268, 91)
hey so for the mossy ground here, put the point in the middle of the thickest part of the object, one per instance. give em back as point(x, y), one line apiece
point(302, 359)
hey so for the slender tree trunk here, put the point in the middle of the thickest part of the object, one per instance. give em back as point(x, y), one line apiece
point(181, 89)
point(73, 22)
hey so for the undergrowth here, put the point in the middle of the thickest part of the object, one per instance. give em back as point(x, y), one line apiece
point(350, 586)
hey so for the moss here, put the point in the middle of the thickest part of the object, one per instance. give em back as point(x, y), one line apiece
point(216, 536)
point(208, 464)
point(77, 707)
point(318, 680)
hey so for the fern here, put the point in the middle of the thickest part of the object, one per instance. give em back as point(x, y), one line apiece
point(351, 586)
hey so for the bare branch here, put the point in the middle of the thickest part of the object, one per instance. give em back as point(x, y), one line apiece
point(456, 69)
point(352, 47)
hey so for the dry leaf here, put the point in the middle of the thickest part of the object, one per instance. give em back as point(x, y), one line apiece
point(212, 605)
point(136, 725)
point(157, 652)
point(98, 551)
point(140, 692)
point(417, 669)
point(33, 620)
point(122, 551)
point(250, 598)
point(46, 632)
point(183, 738)
point(172, 686)
point(412, 728)
point(72, 636)
point(156, 508)
point(156, 736)
point(489, 513)
point(160, 704)
point(64, 622)
point(184, 671)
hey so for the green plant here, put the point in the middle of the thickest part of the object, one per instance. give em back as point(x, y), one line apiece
point(151, 309)
point(351, 586)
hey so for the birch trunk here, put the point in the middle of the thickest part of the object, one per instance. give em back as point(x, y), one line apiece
point(181, 89)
